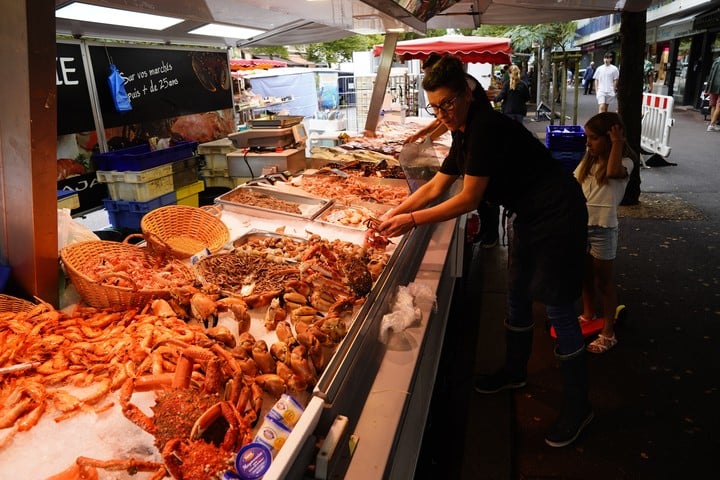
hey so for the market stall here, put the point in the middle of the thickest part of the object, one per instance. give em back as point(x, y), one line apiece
point(367, 357)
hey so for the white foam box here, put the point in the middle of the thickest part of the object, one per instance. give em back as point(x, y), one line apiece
point(253, 164)
point(317, 140)
point(315, 124)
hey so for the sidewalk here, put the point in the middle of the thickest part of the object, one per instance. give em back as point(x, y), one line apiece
point(655, 394)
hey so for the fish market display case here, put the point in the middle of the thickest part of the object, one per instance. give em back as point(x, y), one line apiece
point(369, 382)
point(374, 377)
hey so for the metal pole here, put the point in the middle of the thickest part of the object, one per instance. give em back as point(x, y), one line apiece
point(381, 81)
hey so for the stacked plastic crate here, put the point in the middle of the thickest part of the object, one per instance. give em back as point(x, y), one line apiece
point(140, 179)
point(566, 144)
point(214, 167)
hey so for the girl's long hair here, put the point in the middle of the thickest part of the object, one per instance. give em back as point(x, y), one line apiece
point(600, 124)
point(514, 77)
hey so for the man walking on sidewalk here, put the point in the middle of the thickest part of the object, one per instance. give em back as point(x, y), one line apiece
point(606, 83)
point(713, 88)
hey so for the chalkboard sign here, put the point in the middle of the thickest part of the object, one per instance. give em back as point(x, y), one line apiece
point(74, 110)
point(162, 83)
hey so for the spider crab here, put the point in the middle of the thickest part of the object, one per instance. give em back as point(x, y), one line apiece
point(197, 428)
point(334, 275)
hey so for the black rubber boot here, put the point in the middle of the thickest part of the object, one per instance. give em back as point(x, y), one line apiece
point(518, 344)
point(577, 412)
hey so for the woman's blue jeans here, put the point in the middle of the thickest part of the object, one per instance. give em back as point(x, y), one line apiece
point(562, 317)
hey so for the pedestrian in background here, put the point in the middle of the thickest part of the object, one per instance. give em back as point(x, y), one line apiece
point(604, 173)
point(588, 78)
point(713, 89)
point(514, 96)
point(606, 82)
point(648, 75)
point(503, 162)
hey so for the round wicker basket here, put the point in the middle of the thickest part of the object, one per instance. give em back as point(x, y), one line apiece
point(97, 292)
point(182, 231)
point(8, 303)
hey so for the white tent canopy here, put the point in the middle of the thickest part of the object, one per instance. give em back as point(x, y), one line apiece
point(294, 23)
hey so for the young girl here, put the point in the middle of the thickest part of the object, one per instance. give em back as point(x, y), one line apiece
point(603, 173)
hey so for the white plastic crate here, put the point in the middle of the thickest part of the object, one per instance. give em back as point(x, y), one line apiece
point(141, 192)
point(215, 153)
point(134, 176)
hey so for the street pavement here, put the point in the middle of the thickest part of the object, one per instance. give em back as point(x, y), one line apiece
point(656, 395)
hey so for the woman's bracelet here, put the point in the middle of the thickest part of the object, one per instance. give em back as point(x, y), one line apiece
point(413, 220)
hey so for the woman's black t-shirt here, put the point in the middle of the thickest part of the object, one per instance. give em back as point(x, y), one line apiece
point(523, 176)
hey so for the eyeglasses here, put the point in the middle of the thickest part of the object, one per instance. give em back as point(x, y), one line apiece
point(446, 107)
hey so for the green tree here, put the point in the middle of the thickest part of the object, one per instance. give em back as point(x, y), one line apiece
point(273, 52)
point(341, 50)
point(522, 38)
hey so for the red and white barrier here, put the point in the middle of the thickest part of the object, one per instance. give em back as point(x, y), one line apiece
point(656, 123)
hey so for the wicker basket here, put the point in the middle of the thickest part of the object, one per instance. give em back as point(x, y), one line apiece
point(102, 295)
point(182, 231)
point(9, 303)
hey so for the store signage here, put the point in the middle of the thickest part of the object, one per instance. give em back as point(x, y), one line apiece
point(161, 82)
point(74, 110)
point(676, 30)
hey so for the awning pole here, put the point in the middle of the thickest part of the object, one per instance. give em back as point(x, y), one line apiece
point(381, 81)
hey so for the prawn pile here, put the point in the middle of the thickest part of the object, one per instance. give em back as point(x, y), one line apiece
point(135, 270)
point(93, 349)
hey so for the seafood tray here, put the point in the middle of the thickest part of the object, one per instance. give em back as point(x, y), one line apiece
point(271, 201)
point(350, 216)
point(264, 238)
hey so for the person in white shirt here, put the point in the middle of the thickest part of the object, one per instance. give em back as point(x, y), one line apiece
point(603, 173)
point(606, 82)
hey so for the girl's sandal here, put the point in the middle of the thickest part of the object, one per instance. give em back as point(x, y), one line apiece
point(602, 344)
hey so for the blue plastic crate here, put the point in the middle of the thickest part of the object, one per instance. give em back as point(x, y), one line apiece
point(568, 160)
point(565, 138)
point(4, 277)
point(142, 158)
point(126, 215)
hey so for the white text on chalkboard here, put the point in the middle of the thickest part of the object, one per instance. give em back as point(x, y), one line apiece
point(150, 85)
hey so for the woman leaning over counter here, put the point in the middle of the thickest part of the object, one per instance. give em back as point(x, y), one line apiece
point(502, 162)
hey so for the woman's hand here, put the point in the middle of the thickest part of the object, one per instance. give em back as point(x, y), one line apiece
point(396, 225)
point(413, 138)
point(616, 134)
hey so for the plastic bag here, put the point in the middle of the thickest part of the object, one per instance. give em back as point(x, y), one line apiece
point(117, 90)
point(407, 309)
point(71, 231)
point(419, 162)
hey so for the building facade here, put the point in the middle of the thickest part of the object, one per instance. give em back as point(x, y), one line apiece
point(682, 40)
